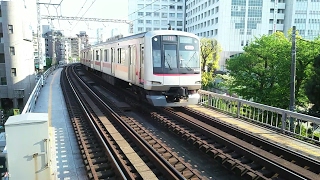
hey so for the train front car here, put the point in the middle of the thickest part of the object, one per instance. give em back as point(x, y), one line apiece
point(174, 76)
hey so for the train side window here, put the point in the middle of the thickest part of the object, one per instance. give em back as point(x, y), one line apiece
point(112, 55)
point(132, 54)
point(119, 55)
point(106, 55)
point(123, 53)
point(92, 55)
point(97, 55)
point(142, 53)
point(101, 55)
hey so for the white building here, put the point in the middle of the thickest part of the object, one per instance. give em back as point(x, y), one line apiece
point(234, 23)
point(17, 71)
point(150, 15)
point(305, 15)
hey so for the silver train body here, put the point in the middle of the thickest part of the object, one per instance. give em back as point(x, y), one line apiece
point(162, 66)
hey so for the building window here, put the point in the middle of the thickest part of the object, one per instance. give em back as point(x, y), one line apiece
point(179, 15)
point(140, 29)
point(148, 21)
point(140, 21)
point(12, 52)
point(10, 29)
point(172, 15)
point(164, 15)
point(148, 29)
point(2, 60)
point(140, 13)
point(179, 23)
point(13, 72)
point(3, 80)
point(172, 23)
point(148, 13)
point(156, 14)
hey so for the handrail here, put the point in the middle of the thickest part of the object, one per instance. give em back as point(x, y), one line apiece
point(284, 120)
point(29, 107)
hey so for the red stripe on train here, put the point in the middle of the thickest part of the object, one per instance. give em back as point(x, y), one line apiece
point(176, 74)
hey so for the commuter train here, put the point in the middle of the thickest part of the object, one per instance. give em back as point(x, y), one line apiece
point(162, 66)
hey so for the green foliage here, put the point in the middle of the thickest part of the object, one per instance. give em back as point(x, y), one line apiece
point(48, 63)
point(226, 81)
point(207, 80)
point(312, 87)
point(262, 72)
point(209, 54)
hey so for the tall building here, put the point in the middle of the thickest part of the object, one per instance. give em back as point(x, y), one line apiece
point(17, 71)
point(101, 35)
point(150, 15)
point(234, 23)
point(84, 39)
point(75, 44)
point(305, 15)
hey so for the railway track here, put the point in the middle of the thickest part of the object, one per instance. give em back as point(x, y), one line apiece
point(98, 160)
point(121, 135)
point(244, 154)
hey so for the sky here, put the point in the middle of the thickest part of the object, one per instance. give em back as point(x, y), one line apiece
point(106, 9)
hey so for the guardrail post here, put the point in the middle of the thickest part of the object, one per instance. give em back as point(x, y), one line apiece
point(283, 121)
point(238, 109)
point(210, 100)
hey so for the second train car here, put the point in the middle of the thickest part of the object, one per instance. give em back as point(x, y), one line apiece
point(162, 66)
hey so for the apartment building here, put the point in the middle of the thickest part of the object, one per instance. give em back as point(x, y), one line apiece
point(54, 45)
point(17, 71)
point(234, 23)
point(75, 44)
point(150, 15)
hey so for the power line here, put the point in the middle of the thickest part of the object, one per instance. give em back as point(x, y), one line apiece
point(156, 11)
point(60, 2)
point(143, 7)
point(81, 7)
point(84, 14)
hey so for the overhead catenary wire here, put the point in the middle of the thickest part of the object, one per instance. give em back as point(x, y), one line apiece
point(143, 7)
point(156, 11)
point(84, 14)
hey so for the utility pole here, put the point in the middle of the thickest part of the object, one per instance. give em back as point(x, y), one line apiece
point(39, 36)
point(293, 75)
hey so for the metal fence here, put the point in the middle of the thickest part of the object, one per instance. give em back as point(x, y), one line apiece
point(41, 80)
point(297, 124)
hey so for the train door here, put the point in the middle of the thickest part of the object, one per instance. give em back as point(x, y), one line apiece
point(132, 60)
point(141, 74)
point(113, 61)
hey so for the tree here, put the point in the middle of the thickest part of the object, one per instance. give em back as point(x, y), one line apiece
point(312, 87)
point(210, 53)
point(48, 62)
point(207, 80)
point(262, 72)
point(305, 55)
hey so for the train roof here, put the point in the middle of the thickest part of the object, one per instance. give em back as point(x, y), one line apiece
point(147, 34)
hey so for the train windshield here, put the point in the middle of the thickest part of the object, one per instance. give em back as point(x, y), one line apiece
point(175, 55)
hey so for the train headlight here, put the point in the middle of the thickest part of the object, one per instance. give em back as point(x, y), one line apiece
point(155, 82)
point(198, 82)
